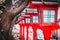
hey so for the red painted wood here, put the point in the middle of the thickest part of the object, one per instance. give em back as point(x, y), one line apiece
point(46, 28)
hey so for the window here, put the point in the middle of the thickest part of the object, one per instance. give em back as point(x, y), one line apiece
point(31, 10)
point(22, 14)
point(49, 16)
point(35, 19)
point(27, 20)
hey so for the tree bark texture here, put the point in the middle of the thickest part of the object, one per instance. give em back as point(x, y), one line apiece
point(9, 16)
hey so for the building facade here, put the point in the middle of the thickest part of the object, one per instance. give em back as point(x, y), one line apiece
point(40, 21)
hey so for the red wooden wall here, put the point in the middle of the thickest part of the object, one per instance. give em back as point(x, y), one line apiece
point(46, 28)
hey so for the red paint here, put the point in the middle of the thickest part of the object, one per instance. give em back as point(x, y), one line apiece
point(47, 28)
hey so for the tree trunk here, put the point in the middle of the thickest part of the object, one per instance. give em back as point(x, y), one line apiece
point(9, 17)
point(6, 24)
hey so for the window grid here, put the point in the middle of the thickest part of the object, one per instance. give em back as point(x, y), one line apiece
point(35, 19)
point(27, 20)
point(49, 16)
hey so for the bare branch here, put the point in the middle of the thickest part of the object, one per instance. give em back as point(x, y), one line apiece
point(16, 10)
point(9, 14)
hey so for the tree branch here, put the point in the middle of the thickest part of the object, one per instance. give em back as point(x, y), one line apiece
point(15, 11)
point(8, 16)
point(8, 2)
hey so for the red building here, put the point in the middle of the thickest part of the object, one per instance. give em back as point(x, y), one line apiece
point(39, 20)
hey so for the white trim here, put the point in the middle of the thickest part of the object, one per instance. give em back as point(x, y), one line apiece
point(37, 2)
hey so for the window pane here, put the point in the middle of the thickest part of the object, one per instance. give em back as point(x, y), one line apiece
point(49, 16)
point(45, 20)
point(27, 20)
point(52, 20)
point(35, 19)
point(52, 12)
point(45, 12)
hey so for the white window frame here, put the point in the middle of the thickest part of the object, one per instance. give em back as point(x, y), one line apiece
point(34, 19)
point(27, 20)
point(49, 16)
